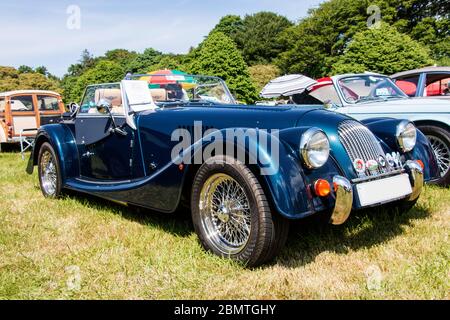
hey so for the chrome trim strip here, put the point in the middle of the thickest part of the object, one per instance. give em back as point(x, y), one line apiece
point(380, 176)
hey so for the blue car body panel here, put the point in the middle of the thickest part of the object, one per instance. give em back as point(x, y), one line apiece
point(154, 181)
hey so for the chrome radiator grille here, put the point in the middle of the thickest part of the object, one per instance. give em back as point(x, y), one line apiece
point(360, 143)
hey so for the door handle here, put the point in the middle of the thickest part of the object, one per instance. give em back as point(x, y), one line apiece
point(118, 131)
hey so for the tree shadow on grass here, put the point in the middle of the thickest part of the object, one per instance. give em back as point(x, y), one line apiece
point(178, 223)
point(307, 238)
point(364, 229)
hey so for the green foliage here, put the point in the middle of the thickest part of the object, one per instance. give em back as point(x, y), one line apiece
point(12, 79)
point(25, 69)
point(218, 56)
point(143, 62)
point(122, 57)
point(230, 25)
point(168, 61)
point(42, 70)
point(316, 43)
point(262, 74)
point(383, 50)
point(328, 40)
point(103, 72)
point(258, 38)
point(86, 61)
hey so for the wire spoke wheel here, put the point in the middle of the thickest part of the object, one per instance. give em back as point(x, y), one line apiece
point(225, 213)
point(442, 152)
point(48, 173)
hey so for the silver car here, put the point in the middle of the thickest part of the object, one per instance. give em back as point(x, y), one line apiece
point(370, 95)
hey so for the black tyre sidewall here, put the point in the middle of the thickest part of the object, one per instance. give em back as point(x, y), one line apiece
point(443, 135)
point(48, 147)
point(262, 228)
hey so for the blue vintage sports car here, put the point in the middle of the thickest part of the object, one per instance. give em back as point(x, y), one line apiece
point(244, 171)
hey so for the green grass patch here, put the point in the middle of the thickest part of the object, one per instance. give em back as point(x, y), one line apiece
point(81, 247)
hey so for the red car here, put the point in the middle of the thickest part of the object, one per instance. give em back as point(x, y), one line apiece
point(426, 82)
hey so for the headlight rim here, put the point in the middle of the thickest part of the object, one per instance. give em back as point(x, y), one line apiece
point(401, 128)
point(304, 142)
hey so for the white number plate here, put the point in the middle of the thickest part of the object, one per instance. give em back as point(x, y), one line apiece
point(383, 190)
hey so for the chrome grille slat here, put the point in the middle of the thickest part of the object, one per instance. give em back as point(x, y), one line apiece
point(360, 143)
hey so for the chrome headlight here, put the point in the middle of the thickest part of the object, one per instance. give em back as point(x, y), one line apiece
point(314, 148)
point(406, 136)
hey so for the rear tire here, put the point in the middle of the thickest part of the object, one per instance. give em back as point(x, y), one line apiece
point(49, 172)
point(231, 214)
point(440, 142)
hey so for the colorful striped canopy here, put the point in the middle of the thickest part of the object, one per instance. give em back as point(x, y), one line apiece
point(159, 78)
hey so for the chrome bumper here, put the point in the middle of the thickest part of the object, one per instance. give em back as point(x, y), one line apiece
point(416, 178)
point(344, 200)
point(344, 192)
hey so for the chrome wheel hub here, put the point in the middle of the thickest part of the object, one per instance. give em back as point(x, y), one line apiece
point(442, 152)
point(48, 173)
point(225, 213)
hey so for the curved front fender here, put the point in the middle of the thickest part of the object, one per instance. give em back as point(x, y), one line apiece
point(63, 142)
point(385, 129)
point(277, 167)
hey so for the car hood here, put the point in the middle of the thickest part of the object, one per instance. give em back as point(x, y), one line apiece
point(413, 104)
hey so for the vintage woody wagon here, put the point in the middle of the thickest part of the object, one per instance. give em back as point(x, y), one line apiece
point(23, 112)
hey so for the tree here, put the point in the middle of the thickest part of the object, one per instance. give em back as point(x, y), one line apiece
point(37, 81)
point(170, 62)
point(103, 72)
point(143, 62)
point(230, 25)
point(262, 74)
point(258, 37)
point(12, 79)
point(316, 43)
point(218, 56)
point(382, 50)
point(42, 70)
point(122, 57)
point(86, 61)
point(25, 69)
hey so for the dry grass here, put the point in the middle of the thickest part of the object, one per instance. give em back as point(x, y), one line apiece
point(84, 248)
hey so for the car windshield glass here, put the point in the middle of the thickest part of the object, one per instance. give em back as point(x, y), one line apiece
point(357, 89)
point(178, 87)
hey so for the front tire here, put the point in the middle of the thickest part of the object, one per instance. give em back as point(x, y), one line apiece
point(49, 172)
point(440, 142)
point(232, 215)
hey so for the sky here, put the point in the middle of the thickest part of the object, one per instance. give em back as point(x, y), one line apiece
point(49, 33)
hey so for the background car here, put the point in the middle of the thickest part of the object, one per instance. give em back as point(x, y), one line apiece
point(122, 145)
point(425, 82)
point(365, 96)
point(27, 110)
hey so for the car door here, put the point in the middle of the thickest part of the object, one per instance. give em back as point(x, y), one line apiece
point(437, 85)
point(104, 154)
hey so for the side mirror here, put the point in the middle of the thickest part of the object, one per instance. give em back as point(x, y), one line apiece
point(104, 106)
